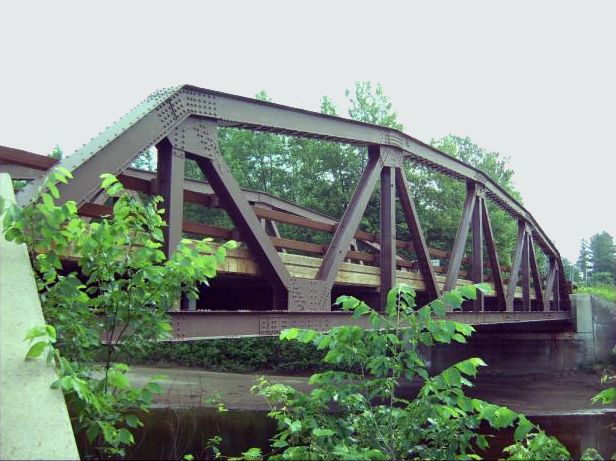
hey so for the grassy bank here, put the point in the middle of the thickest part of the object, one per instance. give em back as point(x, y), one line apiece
point(239, 355)
point(605, 291)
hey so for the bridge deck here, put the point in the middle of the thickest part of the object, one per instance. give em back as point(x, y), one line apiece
point(240, 262)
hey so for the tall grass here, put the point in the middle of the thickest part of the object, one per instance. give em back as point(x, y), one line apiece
point(605, 291)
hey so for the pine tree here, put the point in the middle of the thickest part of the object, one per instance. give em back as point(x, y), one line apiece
point(603, 253)
point(584, 260)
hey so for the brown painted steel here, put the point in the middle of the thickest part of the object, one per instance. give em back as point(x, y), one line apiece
point(169, 113)
point(460, 242)
point(418, 241)
point(388, 232)
point(171, 186)
point(534, 270)
point(526, 272)
point(165, 109)
point(201, 142)
point(221, 324)
point(350, 220)
point(515, 266)
point(549, 287)
point(477, 258)
point(497, 277)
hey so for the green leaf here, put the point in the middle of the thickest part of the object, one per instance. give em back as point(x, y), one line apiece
point(117, 379)
point(164, 326)
point(290, 333)
point(469, 291)
point(524, 427)
point(253, 454)
point(64, 171)
point(108, 180)
point(51, 332)
point(133, 421)
point(319, 432)
point(125, 436)
point(114, 189)
point(605, 396)
point(393, 338)
point(485, 288)
point(92, 432)
point(36, 349)
point(453, 299)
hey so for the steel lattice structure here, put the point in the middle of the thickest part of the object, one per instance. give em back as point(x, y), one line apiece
point(183, 122)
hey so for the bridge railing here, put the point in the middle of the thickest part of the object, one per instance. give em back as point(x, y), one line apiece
point(34, 418)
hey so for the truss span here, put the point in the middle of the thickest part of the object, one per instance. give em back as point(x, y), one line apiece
point(182, 122)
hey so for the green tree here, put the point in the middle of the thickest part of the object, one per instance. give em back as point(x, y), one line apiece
point(371, 421)
point(572, 272)
point(57, 153)
point(370, 104)
point(584, 259)
point(603, 253)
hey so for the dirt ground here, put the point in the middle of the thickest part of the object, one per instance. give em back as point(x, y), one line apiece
point(533, 395)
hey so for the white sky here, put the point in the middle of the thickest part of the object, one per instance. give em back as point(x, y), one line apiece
point(532, 80)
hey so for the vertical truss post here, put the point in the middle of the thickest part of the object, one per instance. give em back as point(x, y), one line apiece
point(497, 275)
point(460, 242)
point(477, 258)
point(526, 273)
point(170, 176)
point(556, 287)
point(549, 287)
point(349, 223)
point(539, 301)
point(388, 232)
point(515, 265)
point(417, 236)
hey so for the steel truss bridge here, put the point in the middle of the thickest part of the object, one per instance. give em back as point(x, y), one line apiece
point(270, 282)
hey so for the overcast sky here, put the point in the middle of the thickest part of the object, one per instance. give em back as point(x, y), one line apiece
point(533, 80)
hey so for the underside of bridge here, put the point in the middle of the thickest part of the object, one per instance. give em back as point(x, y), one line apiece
point(271, 282)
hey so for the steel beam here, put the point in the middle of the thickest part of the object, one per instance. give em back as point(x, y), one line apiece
point(526, 273)
point(477, 258)
point(170, 176)
point(351, 218)
point(387, 256)
point(497, 276)
point(539, 303)
point(417, 236)
point(460, 242)
point(549, 287)
point(515, 266)
point(224, 324)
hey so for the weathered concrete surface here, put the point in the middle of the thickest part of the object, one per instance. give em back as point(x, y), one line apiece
point(34, 420)
point(587, 345)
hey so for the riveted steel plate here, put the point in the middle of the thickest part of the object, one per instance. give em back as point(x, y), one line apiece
point(274, 324)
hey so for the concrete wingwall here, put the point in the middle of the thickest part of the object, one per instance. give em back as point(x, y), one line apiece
point(34, 420)
point(588, 342)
